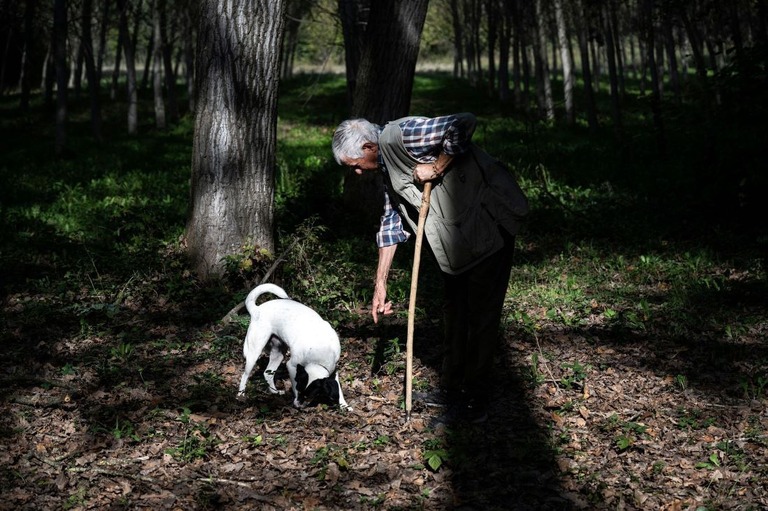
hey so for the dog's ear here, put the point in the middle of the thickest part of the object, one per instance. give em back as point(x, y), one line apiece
point(302, 378)
point(332, 390)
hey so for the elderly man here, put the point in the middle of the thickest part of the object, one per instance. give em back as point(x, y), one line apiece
point(475, 212)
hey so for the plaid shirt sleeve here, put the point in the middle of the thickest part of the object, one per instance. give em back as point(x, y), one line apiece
point(426, 137)
point(391, 229)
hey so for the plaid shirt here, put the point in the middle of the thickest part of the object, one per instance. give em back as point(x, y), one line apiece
point(424, 139)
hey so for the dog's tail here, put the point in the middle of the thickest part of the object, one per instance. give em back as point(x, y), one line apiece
point(250, 301)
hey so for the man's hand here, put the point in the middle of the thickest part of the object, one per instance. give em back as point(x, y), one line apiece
point(425, 172)
point(380, 303)
point(430, 171)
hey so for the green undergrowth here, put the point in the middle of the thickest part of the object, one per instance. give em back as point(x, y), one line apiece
point(620, 237)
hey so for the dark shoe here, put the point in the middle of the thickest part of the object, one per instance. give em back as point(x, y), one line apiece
point(437, 398)
point(462, 413)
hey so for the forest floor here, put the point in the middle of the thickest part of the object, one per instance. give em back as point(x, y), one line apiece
point(580, 419)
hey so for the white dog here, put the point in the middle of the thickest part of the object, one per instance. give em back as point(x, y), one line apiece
point(313, 344)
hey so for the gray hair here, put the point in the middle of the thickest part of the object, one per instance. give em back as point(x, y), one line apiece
point(350, 136)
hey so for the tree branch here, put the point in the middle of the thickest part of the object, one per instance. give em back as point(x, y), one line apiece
point(232, 314)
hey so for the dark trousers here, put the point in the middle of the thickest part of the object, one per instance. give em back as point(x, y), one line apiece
point(472, 316)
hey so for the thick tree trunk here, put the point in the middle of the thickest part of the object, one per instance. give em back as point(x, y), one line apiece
point(233, 158)
point(388, 62)
point(354, 19)
point(384, 85)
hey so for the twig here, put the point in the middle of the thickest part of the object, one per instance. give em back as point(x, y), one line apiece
point(232, 314)
point(113, 473)
point(546, 366)
point(158, 482)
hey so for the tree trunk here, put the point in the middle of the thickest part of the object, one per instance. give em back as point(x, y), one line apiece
point(458, 39)
point(586, 69)
point(761, 31)
point(77, 70)
point(567, 59)
point(384, 85)
point(118, 61)
point(477, 22)
point(4, 54)
point(148, 67)
point(102, 39)
point(504, 52)
point(613, 78)
point(157, 65)
point(648, 32)
point(49, 77)
point(696, 44)
point(296, 11)
point(517, 51)
point(354, 19)
point(26, 60)
point(130, 66)
point(544, 89)
point(189, 57)
point(62, 80)
point(669, 44)
point(90, 69)
point(492, 13)
point(388, 62)
point(233, 156)
point(619, 45)
point(169, 74)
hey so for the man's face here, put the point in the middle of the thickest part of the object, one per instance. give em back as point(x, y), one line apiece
point(369, 160)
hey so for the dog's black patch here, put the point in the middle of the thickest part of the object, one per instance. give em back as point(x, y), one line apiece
point(323, 391)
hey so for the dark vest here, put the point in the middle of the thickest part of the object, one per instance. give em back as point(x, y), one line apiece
point(476, 196)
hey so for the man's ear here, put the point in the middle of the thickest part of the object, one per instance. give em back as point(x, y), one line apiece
point(370, 146)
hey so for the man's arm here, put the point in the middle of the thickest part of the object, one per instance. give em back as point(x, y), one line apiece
point(380, 303)
point(434, 142)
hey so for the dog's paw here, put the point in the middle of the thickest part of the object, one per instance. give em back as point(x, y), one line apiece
point(276, 391)
point(298, 404)
point(347, 408)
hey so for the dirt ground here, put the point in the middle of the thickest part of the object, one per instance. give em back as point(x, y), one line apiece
point(582, 418)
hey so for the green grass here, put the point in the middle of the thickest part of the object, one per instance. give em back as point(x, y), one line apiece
point(619, 238)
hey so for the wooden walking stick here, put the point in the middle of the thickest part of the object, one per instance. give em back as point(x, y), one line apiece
point(412, 304)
